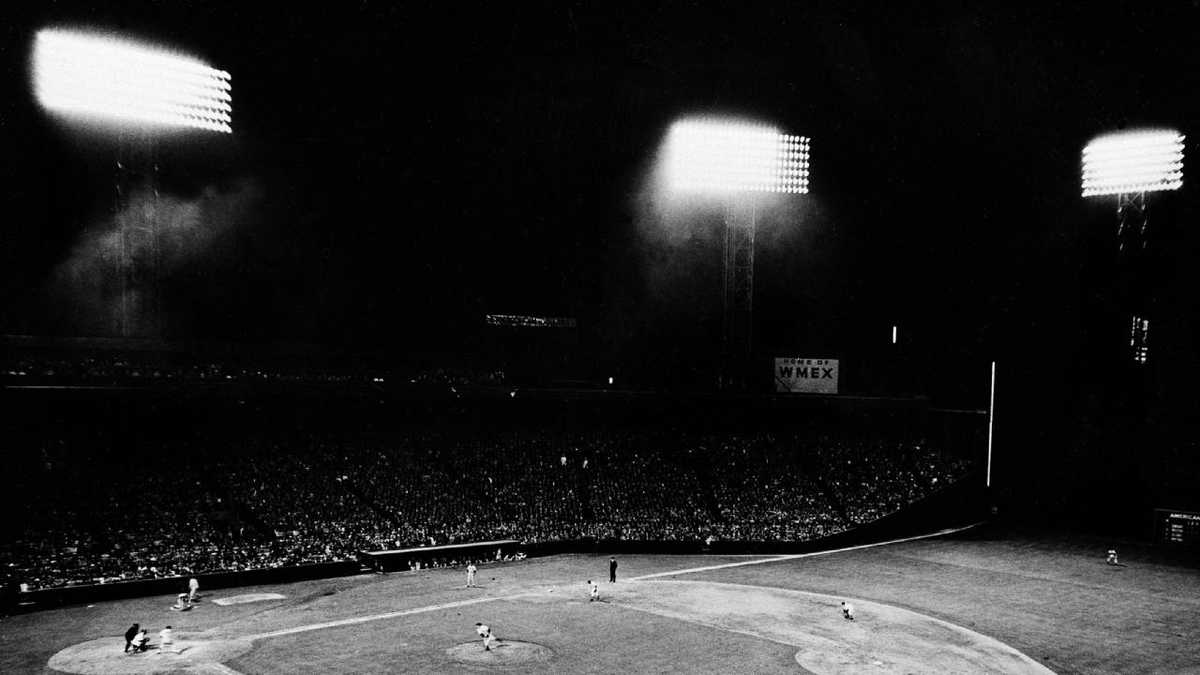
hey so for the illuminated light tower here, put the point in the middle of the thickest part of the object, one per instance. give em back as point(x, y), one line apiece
point(1128, 165)
point(735, 162)
point(140, 94)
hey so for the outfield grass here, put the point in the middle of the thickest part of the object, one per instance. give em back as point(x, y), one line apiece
point(1053, 599)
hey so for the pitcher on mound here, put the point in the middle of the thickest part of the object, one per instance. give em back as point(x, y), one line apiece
point(486, 633)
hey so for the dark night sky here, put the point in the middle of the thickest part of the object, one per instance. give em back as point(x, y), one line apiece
point(400, 169)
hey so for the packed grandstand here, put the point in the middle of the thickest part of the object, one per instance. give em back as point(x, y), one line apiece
point(89, 516)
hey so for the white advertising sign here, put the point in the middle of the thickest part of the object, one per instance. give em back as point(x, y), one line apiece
point(806, 376)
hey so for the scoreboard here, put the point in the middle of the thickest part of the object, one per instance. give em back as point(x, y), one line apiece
point(1177, 528)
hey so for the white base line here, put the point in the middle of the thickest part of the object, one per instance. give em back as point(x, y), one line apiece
point(377, 617)
point(796, 556)
point(476, 601)
point(210, 668)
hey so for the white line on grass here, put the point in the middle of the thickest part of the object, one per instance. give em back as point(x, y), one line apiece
point(377, 617)
point(211, 668)
point(476, 601)
point(795, 556)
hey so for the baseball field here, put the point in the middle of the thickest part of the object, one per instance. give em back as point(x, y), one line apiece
point(975, 601)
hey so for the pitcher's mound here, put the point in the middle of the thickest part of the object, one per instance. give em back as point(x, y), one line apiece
point(503, 653)
point(104, 656)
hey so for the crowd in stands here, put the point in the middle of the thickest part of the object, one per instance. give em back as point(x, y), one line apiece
point(459, 377)
point(82, 515)
point(125, 369)
point(150, 368)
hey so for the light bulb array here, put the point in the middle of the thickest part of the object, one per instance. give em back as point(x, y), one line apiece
point(1139, 161)
point(705, 156)
point(87, 75)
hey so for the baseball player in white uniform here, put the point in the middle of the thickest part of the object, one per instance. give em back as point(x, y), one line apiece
point(471, 575)
point(166, 641)
point(847, 611)
point(595, 592)
point(485, 632)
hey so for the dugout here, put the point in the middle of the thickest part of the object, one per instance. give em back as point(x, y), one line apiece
point(401, 559)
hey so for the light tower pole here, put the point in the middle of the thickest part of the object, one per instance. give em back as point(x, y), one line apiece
point(1131, 221)
point(737, 334)
point(136, 219)
point(735, 162)
point(139, 93)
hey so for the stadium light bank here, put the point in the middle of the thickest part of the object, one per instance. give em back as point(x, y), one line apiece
point(1133, 162)
point(729, 157)
point(99, 78)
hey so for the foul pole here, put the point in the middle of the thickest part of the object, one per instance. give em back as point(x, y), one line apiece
point(991, 412)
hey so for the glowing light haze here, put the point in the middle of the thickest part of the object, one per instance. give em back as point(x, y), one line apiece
point(116, 80)
point(1136, 161)
point(728, 156)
